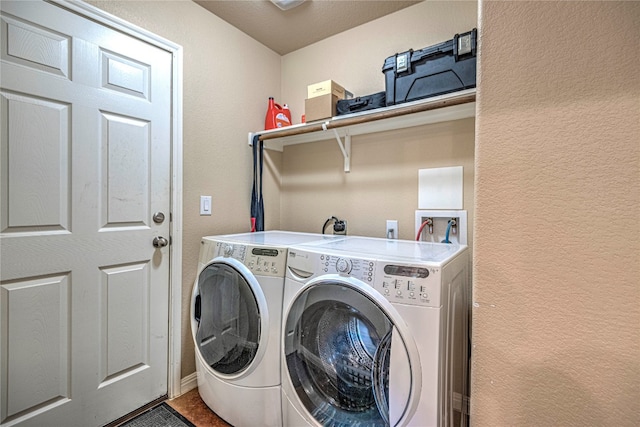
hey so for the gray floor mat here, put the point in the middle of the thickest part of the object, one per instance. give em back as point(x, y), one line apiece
point(162, 415)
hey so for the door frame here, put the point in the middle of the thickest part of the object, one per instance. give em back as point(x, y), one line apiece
point(175, 227)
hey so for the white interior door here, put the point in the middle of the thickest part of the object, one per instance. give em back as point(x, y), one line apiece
point(84, 165)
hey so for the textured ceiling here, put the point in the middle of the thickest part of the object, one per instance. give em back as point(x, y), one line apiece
point(312, 21)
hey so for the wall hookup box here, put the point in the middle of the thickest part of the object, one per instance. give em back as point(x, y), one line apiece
point(442, 68)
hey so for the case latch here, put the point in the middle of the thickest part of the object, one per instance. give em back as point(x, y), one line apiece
point(464, 45)
point(403, 62)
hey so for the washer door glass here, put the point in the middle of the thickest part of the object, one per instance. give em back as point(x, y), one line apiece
point(229, 319)
point(337, 351)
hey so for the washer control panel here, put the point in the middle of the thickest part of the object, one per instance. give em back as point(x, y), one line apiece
point(397, 282)
point(360, 269)
point(261, 261)
point(409, 284)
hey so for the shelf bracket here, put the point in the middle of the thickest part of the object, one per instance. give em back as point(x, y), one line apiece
point(345, 148)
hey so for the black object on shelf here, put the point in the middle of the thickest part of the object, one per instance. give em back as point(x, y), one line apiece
point(362, 103)
point(442, 68)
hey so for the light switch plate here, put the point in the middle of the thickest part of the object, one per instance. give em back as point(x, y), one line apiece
point(205, 205)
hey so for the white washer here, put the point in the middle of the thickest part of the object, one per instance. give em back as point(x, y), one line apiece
point(236, 314)
point(375, 333)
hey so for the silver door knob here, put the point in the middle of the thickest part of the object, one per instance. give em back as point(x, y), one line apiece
point(160, 242)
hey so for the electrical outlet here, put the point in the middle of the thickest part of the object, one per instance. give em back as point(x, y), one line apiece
point(392, 229)
point(340, 227)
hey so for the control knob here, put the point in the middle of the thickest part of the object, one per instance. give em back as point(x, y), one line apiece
point(343, 265)
point(227, 250)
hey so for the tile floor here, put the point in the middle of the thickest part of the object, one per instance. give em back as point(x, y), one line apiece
point(191, 406)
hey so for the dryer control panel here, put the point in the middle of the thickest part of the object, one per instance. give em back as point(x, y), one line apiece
point(260, 260)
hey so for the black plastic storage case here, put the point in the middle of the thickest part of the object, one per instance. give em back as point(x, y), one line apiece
point(361, 103)
point(446, 67)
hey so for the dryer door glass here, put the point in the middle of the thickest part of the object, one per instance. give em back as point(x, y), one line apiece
point(229, 326)
point(337, 351)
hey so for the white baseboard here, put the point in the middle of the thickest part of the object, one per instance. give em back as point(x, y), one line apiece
point(188, 383)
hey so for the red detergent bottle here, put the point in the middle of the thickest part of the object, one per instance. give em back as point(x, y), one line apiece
point(276, 116)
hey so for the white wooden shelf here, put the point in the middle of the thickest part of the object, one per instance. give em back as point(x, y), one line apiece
point(452, 106)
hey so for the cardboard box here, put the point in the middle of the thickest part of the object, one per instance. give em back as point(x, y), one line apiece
point(320, 107)
point(326, 87)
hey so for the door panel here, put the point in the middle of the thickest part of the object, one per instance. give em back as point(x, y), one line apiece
point(85, 162)
point(33, 46)
point(124, 321)
point(39, 368)
point(126, 171)
point(38, 151)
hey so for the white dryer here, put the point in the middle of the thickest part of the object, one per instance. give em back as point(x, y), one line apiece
point(236, 314)
point(375, 333)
